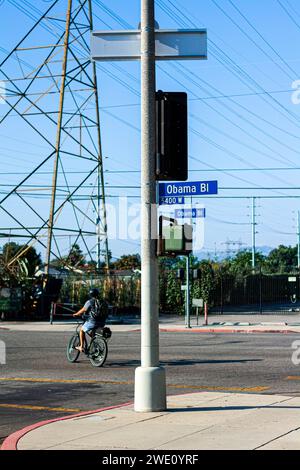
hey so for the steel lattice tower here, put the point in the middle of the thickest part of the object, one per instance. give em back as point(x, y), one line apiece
point(52, 96)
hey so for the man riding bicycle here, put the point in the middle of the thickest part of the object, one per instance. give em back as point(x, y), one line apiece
point(92, 315)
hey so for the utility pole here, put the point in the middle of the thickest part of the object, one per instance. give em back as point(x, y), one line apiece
point(298, 239)
point(150, 381)
point(253, 232)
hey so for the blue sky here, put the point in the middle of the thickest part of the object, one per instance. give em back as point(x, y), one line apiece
point(243, 123)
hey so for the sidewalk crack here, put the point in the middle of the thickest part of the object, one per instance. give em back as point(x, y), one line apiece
point(186, 435)
point(276, 438)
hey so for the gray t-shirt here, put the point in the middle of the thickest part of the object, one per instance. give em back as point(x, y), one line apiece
point(89, 305)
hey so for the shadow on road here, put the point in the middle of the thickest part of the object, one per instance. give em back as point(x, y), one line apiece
point(183, 362)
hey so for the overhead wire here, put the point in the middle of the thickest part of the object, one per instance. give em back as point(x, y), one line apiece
point(294, 73)
point(221, 56)
point(284, 159)
point(100, 2)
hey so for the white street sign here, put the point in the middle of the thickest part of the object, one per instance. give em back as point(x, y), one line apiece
point(198, 303)
point(169, 44)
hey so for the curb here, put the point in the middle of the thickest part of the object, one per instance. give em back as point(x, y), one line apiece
point(11, 442)
point(223, 330)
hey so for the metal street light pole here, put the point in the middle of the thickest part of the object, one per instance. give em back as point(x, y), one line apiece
point(150, 382)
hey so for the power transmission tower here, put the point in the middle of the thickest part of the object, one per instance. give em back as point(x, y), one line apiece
point(231, 246)
point(52, 99)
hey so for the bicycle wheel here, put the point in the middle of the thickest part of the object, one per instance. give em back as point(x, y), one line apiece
point(72, 353)
point(98, 351)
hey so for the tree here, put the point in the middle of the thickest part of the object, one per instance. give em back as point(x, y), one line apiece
point(103, 263)
point(282, 259)
point(76, 257)
point(180, 262)
point(242, 262)
point(25, 252)
point(128, 262)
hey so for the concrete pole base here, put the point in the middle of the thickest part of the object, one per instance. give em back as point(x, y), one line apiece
point(150, 389)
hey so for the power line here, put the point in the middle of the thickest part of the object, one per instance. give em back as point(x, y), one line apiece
point(236, 70)
point(288, 14)
point(262, 37)
point(284, 157)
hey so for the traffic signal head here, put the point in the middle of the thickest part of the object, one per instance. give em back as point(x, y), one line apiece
point(171, 136)
point(174, 239)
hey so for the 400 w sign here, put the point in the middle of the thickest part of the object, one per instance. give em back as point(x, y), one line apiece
point(170, 200)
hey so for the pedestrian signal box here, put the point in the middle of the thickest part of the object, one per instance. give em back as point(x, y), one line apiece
point(171, 136)
point(174, 239)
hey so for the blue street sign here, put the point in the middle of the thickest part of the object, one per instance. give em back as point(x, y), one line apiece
point(188, 188)
point(190, 213)
point(171, 200)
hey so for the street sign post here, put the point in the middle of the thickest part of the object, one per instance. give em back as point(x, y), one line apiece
point(148, 45)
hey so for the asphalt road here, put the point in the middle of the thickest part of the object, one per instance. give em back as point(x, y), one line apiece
point(37, 382)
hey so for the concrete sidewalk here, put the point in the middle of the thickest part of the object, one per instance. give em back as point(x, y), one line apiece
point(228, 324)
point(197, 421)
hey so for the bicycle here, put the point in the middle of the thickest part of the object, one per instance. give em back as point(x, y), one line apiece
point(96, 350)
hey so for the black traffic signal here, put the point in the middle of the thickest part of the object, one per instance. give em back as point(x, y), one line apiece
point(171, 136)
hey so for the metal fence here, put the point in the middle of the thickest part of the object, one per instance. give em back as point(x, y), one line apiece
point(256, 294)
point(225, 293)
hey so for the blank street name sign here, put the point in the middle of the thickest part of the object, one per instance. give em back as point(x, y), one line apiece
point(169, 44)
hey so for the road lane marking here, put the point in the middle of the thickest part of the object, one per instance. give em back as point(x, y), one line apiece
point(39, 408)
point(227, 389)
point(63, 381)
point(131, 382)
